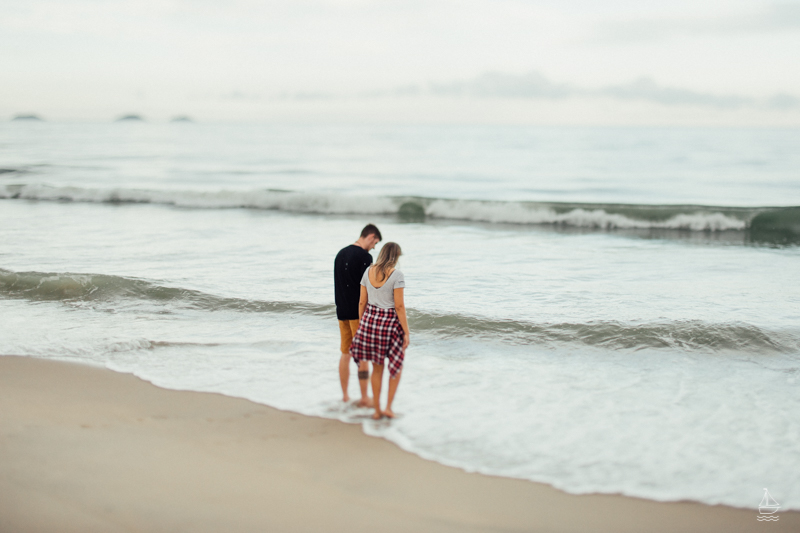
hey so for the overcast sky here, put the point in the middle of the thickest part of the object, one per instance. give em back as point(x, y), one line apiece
point(699, 62)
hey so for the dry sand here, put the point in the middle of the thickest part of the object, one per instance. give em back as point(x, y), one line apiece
point(88, 450)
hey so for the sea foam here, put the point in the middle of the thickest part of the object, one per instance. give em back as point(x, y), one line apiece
point(602, 216)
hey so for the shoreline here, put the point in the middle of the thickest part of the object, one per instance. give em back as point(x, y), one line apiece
point(88, 449)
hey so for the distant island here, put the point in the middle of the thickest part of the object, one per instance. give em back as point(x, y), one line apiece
point(181, 118)
point(27, 117)
point(130, 118)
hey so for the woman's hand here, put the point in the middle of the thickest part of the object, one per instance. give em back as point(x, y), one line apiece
point(400, 308)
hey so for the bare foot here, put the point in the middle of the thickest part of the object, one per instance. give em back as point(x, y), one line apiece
point(366, 402)
point(377, 416)
point(345, 398)
point(388, 413)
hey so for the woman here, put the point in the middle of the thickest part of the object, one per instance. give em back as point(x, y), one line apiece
point(383, 327)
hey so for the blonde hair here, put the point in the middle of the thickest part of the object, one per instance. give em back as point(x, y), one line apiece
point(388, 258)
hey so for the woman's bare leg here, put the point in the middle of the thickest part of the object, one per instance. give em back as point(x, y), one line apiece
point(377, 379)
point(393, 383)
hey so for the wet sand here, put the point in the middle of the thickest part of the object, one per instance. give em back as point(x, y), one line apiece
point(85, 449)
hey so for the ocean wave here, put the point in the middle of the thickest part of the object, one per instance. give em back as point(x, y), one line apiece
point(252, 199)
point(580, 215)
point(73, 288)
point(590, 216)
point(688, 335)
point(7, 172)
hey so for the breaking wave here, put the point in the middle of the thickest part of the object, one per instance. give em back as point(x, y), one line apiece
point(691, 335)
point(73, 288)
point(582, 215)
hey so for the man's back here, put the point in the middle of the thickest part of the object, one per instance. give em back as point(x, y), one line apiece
point(348, 268)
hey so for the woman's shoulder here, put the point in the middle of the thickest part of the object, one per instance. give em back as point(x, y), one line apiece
point(395, 273)
point(398, 279)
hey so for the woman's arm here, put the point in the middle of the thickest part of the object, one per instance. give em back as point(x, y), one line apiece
point(362, 302)
point(400, 307)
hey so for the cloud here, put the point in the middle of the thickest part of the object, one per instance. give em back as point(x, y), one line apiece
point(777, 17)
point(534, 85)
point(648, 90)
point(307, 96)
point(240, 96)
point(499, 85)
point(783, 101)
point(400, 91)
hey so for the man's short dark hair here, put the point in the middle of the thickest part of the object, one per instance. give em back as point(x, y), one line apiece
point(371, 229)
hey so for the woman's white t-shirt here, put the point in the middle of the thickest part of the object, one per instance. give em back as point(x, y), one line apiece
point(383, 296)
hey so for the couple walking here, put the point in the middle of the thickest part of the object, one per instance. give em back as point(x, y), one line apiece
point(372, 316)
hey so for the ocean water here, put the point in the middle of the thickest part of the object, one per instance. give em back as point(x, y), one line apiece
point(605, 310)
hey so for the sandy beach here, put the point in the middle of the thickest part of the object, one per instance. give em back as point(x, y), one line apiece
point(86, 449)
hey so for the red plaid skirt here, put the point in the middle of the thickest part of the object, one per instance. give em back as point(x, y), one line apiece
point(379, 336)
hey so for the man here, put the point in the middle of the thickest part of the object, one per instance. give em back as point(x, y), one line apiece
point(348, 268)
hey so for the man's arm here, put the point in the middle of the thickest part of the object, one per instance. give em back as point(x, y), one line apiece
point(362, 302)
